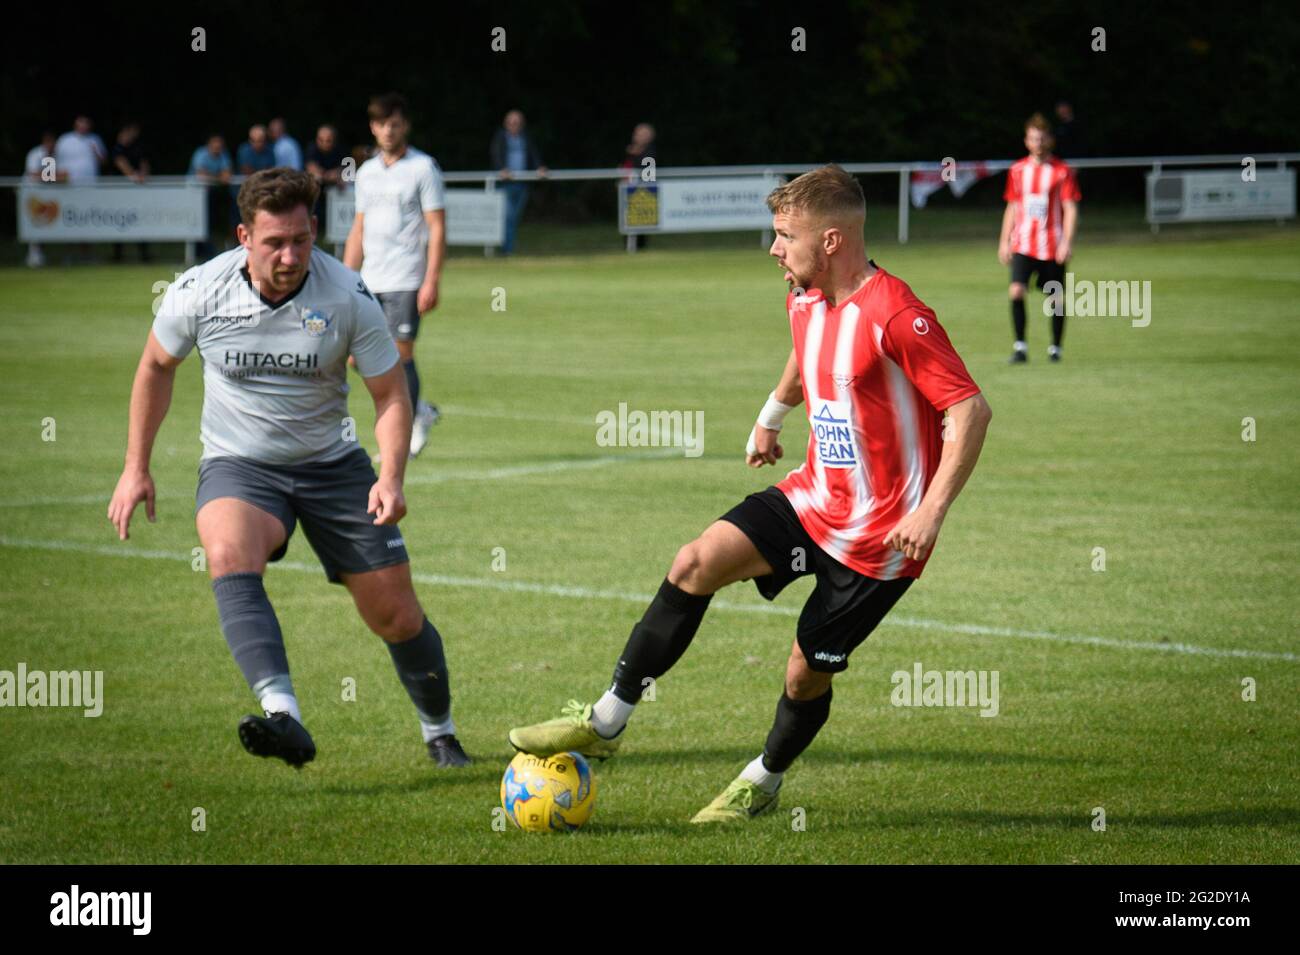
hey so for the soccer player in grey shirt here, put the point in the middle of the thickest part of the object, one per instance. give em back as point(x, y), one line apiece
point(399, 239)
point(274, 322)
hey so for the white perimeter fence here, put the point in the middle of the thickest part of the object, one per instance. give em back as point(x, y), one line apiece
point(651, 200)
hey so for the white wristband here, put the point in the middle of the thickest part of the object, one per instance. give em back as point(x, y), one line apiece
point(773, 414)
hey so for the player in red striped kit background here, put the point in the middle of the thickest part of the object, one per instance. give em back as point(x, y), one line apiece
point(862, 513)
point(1038, 228)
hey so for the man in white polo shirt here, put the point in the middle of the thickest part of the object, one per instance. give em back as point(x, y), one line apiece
point(80, 152)
point(398, 239)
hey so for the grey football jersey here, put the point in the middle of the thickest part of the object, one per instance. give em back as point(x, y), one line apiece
point(275, 376)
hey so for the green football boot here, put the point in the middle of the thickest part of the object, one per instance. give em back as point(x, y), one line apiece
point(571, 732)
point(740, 801)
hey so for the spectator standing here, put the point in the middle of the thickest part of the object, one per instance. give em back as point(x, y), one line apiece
point(253, 155)
point(640, 148)
point(129, 160)
point(211, 166)
point(325, 162)
point(1070, 140)
point(512, 151)
point(34, 171)
point(80, 152)
point(34, 166)
point(256, 154)
point(285, 147)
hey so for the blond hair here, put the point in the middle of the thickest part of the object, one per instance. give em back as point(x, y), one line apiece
point(827, 192)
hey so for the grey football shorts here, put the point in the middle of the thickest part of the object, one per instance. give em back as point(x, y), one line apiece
point(403, 317)
point(328, 498)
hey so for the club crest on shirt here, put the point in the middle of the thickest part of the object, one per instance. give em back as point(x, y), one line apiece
point(832, 428)
point(315, 322)
point(843, 382)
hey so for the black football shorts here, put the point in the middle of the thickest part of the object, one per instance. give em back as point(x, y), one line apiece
point(843, 608)
point(1048, 270)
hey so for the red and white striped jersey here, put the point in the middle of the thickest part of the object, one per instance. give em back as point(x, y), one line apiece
point(1038, 189)
point(877, 371)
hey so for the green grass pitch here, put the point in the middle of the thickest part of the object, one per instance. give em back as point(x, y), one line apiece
point(1133, 444)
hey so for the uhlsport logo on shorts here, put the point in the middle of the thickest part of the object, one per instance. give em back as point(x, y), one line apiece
point(834, 432)
point(315, 322)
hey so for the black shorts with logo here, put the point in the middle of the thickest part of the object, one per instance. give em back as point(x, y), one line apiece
point(329, 498)
point(1049, 270)
point(843, 608)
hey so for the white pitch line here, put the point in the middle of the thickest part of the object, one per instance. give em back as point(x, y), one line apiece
point(544, 467)
point(102, 497)
point(585, 593)
point(456, 411)
point(436, 477)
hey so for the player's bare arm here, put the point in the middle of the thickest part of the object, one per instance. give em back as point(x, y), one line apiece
point(968, 422)
point(764, 446)
point(1069, 222)
point(427, 298)
point(151, 395)
point(1004, 238)
point(353, 255)
point(352, 249)
point(393, 435)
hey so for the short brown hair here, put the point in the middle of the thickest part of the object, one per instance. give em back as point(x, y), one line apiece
point(826, 191)
point(276, 190)
point(384, 105)
point(1038, 121)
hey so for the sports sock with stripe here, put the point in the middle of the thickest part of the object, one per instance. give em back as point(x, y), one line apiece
point(252, 632)
point(275, 693)
point(658, 640)
point(422, 668)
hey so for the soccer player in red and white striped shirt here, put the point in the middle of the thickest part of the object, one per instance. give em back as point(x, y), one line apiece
point(1038, 226)
point(878, 373)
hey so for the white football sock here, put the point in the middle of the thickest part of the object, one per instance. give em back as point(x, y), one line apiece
point(759, 775)
point(1022, 346)
point(610, 715)
point(442, 727)
point(277, 701)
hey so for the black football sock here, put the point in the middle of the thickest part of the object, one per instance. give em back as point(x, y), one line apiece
point(422, 668)
point(659, 639)
point(1018, 318)
point(252, 632)
point(412, 382)
point(1058, 329)
point(797, 722)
